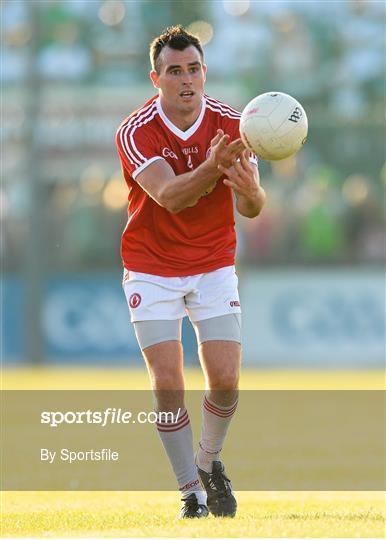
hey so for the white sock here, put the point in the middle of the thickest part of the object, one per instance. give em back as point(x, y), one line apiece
point(177, 439)
point(215, 422)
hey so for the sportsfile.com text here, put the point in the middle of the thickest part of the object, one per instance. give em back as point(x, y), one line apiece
point(109, 416)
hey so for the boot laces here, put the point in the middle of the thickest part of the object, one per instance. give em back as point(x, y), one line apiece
point(191, 503)
point(219, 482)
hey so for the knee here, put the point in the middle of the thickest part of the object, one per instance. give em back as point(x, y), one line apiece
point(165, 376)
point(166, 381)
point(226, 379)
point(168, 389)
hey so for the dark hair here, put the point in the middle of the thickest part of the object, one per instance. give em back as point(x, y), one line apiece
point(175, 37)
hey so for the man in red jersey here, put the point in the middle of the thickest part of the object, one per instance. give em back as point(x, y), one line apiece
point(183, 160)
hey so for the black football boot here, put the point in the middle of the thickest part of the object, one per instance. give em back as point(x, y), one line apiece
point(220, 501)
point(192, 509)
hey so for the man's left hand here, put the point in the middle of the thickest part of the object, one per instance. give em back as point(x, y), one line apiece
point(243, 178)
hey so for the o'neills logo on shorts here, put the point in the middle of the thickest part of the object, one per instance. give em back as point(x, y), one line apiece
point(234, 303)
point(135, 300)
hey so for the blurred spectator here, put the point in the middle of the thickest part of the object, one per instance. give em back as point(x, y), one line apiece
point(325, 206)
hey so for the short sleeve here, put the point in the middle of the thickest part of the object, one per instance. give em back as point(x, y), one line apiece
point(136, 148)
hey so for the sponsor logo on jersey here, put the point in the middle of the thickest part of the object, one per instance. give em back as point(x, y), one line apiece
point(166, 152)
point(190, 150)
point(234, 303)
point(135, 300)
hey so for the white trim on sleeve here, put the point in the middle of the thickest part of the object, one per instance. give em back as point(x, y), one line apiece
point(144, 165)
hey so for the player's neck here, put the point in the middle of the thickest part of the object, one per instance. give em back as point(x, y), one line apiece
point(181, 120)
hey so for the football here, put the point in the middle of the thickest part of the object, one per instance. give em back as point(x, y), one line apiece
point(273, 126)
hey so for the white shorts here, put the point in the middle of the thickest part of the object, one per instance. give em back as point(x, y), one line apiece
point(202, 296)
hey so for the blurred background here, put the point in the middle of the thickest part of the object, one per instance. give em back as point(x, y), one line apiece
point(311, 266)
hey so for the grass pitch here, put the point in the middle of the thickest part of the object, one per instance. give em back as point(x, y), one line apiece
point(153, 514)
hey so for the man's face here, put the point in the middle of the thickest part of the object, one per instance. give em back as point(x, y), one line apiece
point(181, 78)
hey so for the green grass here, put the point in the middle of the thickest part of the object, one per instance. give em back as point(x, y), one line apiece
point(154, 514)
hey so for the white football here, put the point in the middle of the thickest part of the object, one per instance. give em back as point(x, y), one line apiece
point(274, 126)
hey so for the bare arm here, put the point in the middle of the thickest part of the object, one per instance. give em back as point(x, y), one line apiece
point(244, 179)
point(178, 192)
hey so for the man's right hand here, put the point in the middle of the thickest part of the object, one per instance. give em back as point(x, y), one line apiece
point(222, 153)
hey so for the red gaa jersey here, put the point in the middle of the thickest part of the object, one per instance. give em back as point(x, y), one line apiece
point(198, 239)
